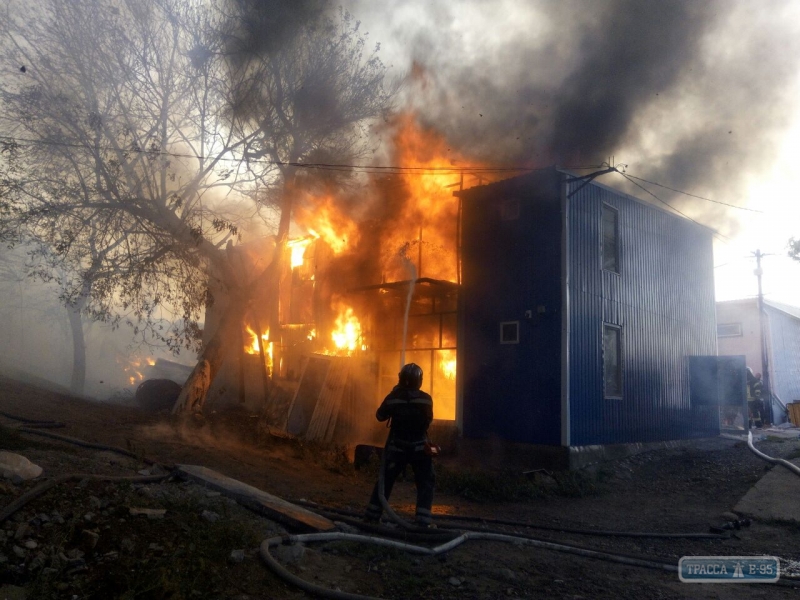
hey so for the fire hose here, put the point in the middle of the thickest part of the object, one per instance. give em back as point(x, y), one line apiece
point(84, 444)
point(312, 588)
point(461, 536)
point(385, 504)
point(335, 512)
point(776, 461)
point(40, 423)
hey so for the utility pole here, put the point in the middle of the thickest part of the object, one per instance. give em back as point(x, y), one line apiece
point(767, 387)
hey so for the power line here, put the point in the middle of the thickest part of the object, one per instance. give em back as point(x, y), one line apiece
point(666, 187)
point(390, 169)
point(410, 170)
point(670, 206)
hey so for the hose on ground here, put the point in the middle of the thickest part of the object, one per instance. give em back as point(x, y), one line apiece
point(42, 423)
point(385, 503)
point(312, 588)
point(431, 536)
point(594, 532)
point(338, 512)
point(50, 484)
point(281, 571)
point(776, 461)
point(446, 532)
point(299, 582)
point(84, 444)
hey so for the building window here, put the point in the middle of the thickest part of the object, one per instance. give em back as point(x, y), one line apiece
point(509, 332)
point(729, 330)
point(610, 239)
point(612, 361)
point(509, 210)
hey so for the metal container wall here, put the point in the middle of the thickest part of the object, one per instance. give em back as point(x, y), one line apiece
point(784, 336)
point(663, 299)
point(511, 265)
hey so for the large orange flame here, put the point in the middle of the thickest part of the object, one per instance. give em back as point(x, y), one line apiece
point(298, 248)
point(323, 219)
point(426, 229)
point(254, 347)
point(346, 336)
point(447, 364)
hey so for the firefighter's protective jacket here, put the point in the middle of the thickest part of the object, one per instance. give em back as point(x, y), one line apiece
point(411, 412)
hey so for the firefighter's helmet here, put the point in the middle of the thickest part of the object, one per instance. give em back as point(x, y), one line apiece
point(411, 376)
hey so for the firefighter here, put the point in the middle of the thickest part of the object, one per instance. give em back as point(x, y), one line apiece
point(410, 411)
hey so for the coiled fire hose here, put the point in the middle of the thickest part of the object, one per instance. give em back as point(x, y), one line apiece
point(776, 461)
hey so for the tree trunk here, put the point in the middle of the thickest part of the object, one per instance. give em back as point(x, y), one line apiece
point(193, 395)
point(276, 273)
point(78, 382)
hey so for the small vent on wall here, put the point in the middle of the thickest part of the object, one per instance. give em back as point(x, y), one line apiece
point(509, 332)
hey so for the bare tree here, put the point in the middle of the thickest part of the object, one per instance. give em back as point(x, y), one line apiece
point(137, 132)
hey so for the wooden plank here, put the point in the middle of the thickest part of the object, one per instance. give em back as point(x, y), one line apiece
point(277, 509)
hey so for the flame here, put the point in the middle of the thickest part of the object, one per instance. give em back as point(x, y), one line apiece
point(322, 219)
point(298, 248)
point(447, 364)
point(133, 367)
point(346, 335)
point(254, 347)
point(426, 229)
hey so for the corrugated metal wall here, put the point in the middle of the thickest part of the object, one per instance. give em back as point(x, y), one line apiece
point(512, 264)
point(663, 299)
point(784, 333)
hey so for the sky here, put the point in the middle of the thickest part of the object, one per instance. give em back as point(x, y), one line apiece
point(698, 96)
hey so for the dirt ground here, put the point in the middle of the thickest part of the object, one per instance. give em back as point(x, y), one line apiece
point(81, 540)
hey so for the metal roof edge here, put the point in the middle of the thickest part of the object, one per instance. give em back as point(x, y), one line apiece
point(784, 308)
point(613, 190)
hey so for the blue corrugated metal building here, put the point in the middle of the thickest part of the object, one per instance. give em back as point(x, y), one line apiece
point(580, 306)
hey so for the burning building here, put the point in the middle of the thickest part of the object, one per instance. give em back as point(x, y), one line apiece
point(544, 309)
point(359, 296)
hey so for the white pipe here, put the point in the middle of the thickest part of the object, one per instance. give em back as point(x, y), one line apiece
point(777, 461)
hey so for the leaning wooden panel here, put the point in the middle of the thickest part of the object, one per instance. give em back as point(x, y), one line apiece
point(329, 399)
point(342, 385)
point(304, 404)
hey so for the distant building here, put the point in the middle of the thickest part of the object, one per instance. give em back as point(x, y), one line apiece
point(580, 308)
point(738, 332)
